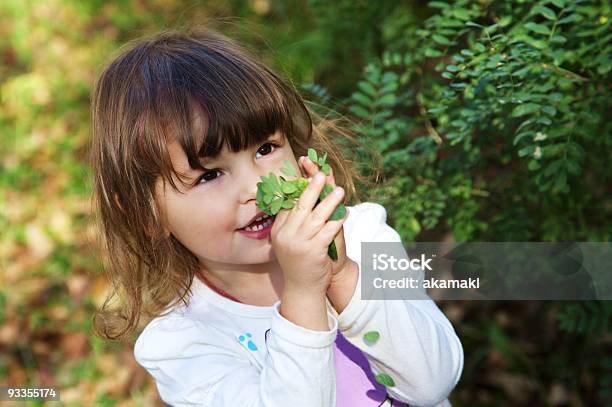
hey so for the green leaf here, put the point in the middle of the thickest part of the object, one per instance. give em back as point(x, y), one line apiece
point(538, 28)
point(338, 213)
point(504, 21)
point(332, 252)
point(322, 159)
point(533, 165)
point(461, 13)
point(549, 110)
point(387, 100)
point(326, 169)
point(573, 167)
point(440, 39)
point(561, 181)
point(268, 198)
point(552, 150)
point(479, 47)
point(385, 380)
point(276, 205)
point(302, 183)
point(545, 11)
point(558, 39)
point(521, 135)
point(389, 77)
point(432, 53)
point(312, 154)
point(363, 99)
point(274, 183)
point(371, 336)
point(288, 187)
point(359, 111)
point(473, 24)
point(553, 167)
point(452, 68)
point(438, 4)
point(367, 88)
point(389, 87)
point(289, 170)
point(524, 109)
point(327, 189)
point(526, 150)
point(570, 19)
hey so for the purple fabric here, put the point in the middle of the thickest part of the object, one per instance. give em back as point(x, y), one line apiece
point(355, 382)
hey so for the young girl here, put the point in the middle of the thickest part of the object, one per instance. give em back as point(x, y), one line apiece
point(247, 310)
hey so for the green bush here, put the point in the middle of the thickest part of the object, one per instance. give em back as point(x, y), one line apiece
point(513, 97)
point(491, 118)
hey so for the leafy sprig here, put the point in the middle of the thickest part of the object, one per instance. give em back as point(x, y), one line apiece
point(276, 192)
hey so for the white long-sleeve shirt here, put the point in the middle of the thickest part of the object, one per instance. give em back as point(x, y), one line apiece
point(220, 353)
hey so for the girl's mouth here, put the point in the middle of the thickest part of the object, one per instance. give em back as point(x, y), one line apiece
point(259, 229)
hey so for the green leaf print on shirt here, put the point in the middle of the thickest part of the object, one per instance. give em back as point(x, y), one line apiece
point(371, 337)
point(385, 379)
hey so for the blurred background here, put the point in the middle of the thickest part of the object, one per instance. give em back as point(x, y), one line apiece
point(491, 122)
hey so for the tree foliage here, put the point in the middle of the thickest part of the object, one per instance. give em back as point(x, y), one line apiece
point(492, 120)
point(513, 98)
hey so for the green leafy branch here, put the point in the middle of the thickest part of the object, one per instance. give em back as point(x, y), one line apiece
point(276, 192)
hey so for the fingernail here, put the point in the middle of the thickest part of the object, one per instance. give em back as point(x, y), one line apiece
point(338, 190)
point(319, 176)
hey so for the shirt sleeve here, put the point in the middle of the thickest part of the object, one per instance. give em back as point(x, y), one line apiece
point(195, 364)
point(417, 347)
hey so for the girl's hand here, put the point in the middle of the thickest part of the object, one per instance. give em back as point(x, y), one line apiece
point(345, 272)
point(309, 169)
point(300, 237)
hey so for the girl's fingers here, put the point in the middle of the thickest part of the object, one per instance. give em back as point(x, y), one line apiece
point(311, 169)
point(303, 168)
point(279, 219)
point(323, 211)
point(306, 202)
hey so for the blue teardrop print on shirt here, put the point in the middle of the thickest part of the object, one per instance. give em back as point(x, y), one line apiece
point(250, 344)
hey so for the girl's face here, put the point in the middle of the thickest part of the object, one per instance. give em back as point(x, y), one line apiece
point(221, 200)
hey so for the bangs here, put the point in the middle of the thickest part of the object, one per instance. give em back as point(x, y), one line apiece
point(205, 95)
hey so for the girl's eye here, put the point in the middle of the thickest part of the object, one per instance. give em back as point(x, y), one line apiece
point(210, 174)
point(206, 177)
point(263, 148)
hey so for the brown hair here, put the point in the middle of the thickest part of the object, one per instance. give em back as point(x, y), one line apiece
point(149, 93)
